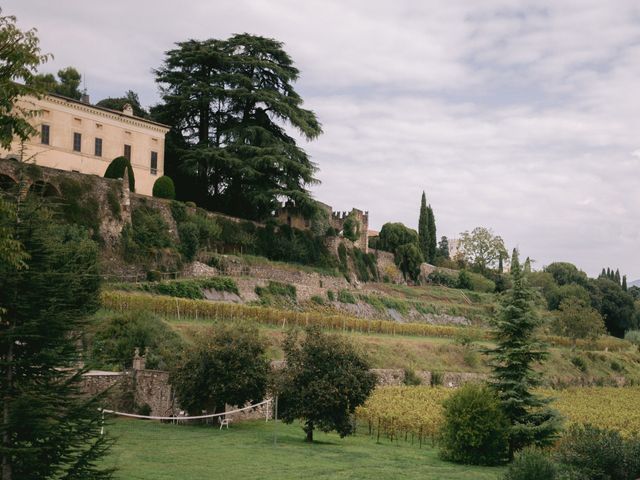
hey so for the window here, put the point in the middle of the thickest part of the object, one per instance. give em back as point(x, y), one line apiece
point(127, 152)
point(154, 163)
point(98, 149)
point(44, 135)
point(77, 142)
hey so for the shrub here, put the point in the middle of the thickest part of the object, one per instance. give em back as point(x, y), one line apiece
point(464, 280)
point(163, 188)
point(79, 205)
point(117, 336)
point(178, 211)
point(437, 379)
point(411, 378)
point(633, 336)
point(189, 239)
point(444, 278)
point(408, 258)
point(480, 283)
point(331, 296)
point(116, 170)
point(475, 431)
point(342, 257)
point(579, 363)
point(317, 299)
point(345, 296)
point(351, 228)
point(587, 452)
point(532, 464)
point(277, 289)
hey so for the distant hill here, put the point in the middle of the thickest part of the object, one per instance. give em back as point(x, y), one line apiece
point(635, 283)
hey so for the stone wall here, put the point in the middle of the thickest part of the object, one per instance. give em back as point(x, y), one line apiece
point(395, 377)
point(153, 389)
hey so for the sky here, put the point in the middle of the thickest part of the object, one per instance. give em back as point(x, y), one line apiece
point(520, 116)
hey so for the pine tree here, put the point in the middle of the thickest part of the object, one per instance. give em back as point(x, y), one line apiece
point(617, 278)
point(609, 273)
point(624, 283)
point(517, 351)
point(432, 236)
point(423, 229)
point(443, 248)
point(49, 430)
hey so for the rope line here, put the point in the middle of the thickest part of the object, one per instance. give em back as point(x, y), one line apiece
point(198, 417)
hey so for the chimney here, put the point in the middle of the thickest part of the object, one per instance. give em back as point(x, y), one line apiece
point(127, 109)
point(85, 98)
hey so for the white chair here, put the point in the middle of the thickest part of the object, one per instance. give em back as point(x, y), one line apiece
point(224, 422)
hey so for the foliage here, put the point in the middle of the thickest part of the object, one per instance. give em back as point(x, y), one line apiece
point(423, 228)
point(432, 236)
point(20, 57)
point(130, 97)
point(229, 101)
point(532, 464)
point(365, 264)
point(345, 296)
point(392, 235)
point(408, 259)
point(226, 365)
point(464, 280)
point(163, 188)
point(592, 453)
point(148, 233)
point(577, 319)
point(117, 168)
point(67, 84)
point(114, 202)
point(443, 248)
point(565, 273)
point(444, 278)
point(276, 293)
point(475, 430)
point(555, 296)
point(116, 336)
point(633, 336)
point(614, 304)
point(189, 239)
point(351, 228)
point(191, 288)
point(513, 358)
point(79, 205)
point(411, 379)
point(44, 306)
point(481, 248)
point(325, 379)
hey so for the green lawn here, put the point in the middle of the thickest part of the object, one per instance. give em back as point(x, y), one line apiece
point(146, 450)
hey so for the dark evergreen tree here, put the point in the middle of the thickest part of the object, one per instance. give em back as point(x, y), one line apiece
point(624, 283)
point(423, 228)
point(229, 102)
point(443, 248)
point(433, 242)
point(130, 97)
point(609, 274)
point(49, 430)
point(513, 359)
point(616, 277)
point(603, 274)
point(500, 264)
point(527, 265)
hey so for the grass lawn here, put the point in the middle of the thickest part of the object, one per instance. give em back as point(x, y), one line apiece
point(149, 450)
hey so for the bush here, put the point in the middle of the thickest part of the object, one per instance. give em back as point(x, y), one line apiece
point(116, 337)
point(116, 170)
point(588, 452)
point(464, 280)
point(411, 378)
point(475, 430)
point(480, 283)
point(189, 239)
point(351, 228)
point(633, 336)
point(579, 363)
point(163, 188)
point(331, 296)
point(532, 464)
point(444, 278)
point(436, 379)
point(345, 296)
point(318, 300)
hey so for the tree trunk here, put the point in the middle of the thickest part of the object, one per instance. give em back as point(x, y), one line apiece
point(308, 428)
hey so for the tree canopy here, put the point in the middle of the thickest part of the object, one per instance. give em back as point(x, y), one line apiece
point(481, 248)
point(231, 103)
point(117, 103)
point(67, 84)
point(392, 235)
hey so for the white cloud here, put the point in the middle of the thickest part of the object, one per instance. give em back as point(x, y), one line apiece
point(516, 115)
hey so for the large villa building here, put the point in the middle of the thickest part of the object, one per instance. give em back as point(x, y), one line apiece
point(76, 136)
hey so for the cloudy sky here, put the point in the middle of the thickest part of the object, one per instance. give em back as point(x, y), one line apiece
point(522, 116)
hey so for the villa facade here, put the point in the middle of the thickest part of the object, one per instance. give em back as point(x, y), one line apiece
point(77, 136)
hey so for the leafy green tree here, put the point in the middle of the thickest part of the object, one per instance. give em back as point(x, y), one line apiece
point(443, 248)
point(565, 273)
point(432, 236)
point(513, 359)
point(324, 380)
point(408, 258)
point(351, 228)
point(614, 304)
point(577, 319)
point(392, 235)
point(229, 102)
point(227, 365)
point(464, 280)
point(67, 84)
point(556, 295)
point(500, 264)
point(49, 430)
point(130, 97)
point(423, 228)
point(20, 57)
point(481, 248)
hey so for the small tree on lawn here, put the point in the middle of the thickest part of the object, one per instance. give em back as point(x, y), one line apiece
point(227, 365)
point(324, 380)
point(517, 351)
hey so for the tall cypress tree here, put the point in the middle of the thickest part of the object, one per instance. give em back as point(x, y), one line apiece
point(527, 265)
point(433, 243)
point(624, 283)
point(517, 351)
point(423, 228)
point(617, 276)
point(500, 264)
point(604, 273)
point(49, 430)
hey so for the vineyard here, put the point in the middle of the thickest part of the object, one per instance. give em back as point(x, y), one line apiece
point(415, 413)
